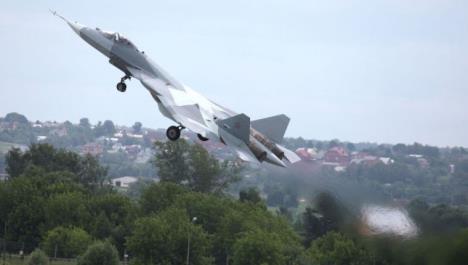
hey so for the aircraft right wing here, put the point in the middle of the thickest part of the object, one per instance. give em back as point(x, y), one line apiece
point(183, 105)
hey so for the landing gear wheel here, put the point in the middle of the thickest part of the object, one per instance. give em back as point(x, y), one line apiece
point(201, 138)
point(121, 86)
point(173, 133)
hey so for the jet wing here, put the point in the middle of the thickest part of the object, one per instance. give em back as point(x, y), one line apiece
point(182, 104)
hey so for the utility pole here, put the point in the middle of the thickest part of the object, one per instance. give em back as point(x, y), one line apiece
point(188, 246)
point(125, 257)
point(4, 242)
point(188, 240)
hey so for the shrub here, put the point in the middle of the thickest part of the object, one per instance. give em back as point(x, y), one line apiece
point(100, 253)
point(38, 257)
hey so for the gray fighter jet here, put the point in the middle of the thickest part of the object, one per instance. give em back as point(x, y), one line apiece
point(254, 141)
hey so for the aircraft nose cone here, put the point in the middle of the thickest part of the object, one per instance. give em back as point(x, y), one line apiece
point(76, 27)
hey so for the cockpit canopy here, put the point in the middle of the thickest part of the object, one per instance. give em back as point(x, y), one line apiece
point(115, 36)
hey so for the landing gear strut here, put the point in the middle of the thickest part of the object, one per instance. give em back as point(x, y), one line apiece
point(121, 86)
point(173, 132)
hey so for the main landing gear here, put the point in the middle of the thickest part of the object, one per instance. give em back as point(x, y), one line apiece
point(121, 86)
point(173, 132)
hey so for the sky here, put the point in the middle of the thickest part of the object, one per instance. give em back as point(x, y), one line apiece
point(363, 71)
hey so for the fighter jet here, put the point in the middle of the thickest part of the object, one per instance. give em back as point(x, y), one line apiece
point(254, 141)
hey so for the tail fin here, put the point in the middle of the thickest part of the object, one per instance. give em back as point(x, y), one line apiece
point(272, 127)
point(238, 125)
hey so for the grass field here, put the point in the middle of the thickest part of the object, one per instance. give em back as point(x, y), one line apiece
point(16, 260)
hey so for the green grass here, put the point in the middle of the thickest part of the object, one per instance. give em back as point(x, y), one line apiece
point(16, 260)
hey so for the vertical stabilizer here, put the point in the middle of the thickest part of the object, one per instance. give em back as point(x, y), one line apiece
point(272, 127)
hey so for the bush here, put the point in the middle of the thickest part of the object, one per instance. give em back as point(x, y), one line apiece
point(100, 253)
point(38, 257)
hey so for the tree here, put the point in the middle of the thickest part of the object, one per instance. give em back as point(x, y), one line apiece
point(15, 162)
point(84, 122)
point(250, 195)
point(162, 239)
point(15, 117)
point(109, 127)
point(351, 147)
point(91, 172)
point(332, 212)
point(172, 161)
point(335, 248)
point(313, 225)
point(259, 247)
point(86, 170)
point(104, 129)
point(160, 196)
point(137, 127)
point(100, 253)
point(69, 242)
point(38, 257)
point(66, 209)
point(191, 165)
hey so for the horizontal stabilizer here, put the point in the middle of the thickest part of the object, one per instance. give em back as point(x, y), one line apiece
point(272, 127)
point(238, 125)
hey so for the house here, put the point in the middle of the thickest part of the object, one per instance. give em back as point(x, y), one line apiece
point(92, 149)
point(306, 153)
point(123, 182)
point(41, 138)
point(337, 155)
point(369, 160)
point(133, 149)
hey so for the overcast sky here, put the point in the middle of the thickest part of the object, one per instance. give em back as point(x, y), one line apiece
point(380, 71)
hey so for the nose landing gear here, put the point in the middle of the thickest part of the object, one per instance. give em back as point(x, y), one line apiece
point(173, 132)
point(121, 86)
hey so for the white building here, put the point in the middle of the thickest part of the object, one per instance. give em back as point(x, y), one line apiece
point(124, 182)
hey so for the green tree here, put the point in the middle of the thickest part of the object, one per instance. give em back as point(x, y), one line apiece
point(69, 242)
point(84, 122)
point(172, 161)
point(100, 253)
point(250, 195)
point(259, 247)
point(15, 162)
point(109, 127)
point(334, 248)
point(113, 215)
point(86, 170)
point(104, 129)
point(67, 209)
point(159, 196)
point(191, 165)
point(163, 239)
point(16, 117)
point(137, 127)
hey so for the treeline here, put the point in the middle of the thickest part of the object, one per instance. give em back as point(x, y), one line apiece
point(59, 202)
